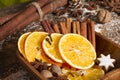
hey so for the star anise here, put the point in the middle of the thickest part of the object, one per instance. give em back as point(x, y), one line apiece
point(111, 5)
point(76, 13)
point(114, 5)
point(75, 4)
point(92, 6)
point(60, 12)
point(39, 65)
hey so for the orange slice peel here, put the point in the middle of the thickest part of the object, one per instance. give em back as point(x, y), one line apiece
point(77, 51)
point(21, 42)
point(50, 46)
point(33, 46)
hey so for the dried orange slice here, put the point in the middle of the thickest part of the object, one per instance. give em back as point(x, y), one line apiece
point(77, 51)
point(21, 42)
point(50, 46)
point(33, 46)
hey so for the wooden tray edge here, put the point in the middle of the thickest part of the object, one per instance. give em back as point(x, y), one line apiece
point(39, 76)
point(108, 40)
point(29, 67)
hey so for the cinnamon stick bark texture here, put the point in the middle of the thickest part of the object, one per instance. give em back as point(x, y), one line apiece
point(83, 29)
point(91, 32)
point(5, 19)
point(56, 28)
point(78, 27)
point(68, 24)
point(7, 29)
point(54, 5)
point(47, 26)
point(63, 27)
point(74, 27)
point(28, 16)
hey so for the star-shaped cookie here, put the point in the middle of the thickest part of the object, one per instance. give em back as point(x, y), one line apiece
point(106, 61)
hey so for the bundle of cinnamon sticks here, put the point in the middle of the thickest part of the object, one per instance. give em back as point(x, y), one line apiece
point(85, 28)
point(18, 21)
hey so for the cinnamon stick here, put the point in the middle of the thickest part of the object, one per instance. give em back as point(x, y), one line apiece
point(21, 25)
point(5, 19)
point(83, 29)
point(68, 24)
point(56, 28)
point(8, 28)
point(63, 27)
point(54, 5)
point(78, 27)
point(20, 21)
point(74, 28)
point(47, 26)
point(91, 32)
point(89, 37)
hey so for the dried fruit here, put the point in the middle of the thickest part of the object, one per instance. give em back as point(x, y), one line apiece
point(51, 47)
point(95, 73)
point(77, 51)
point(21, 42)
point(33, 46)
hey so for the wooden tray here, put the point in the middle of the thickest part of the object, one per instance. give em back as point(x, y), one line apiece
point(103, 46)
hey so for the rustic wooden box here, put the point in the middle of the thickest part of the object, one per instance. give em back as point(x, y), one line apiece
point(103, 46)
